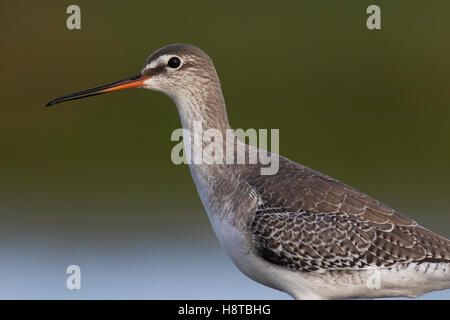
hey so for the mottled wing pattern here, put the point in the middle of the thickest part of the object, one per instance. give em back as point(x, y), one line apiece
point(308, 222)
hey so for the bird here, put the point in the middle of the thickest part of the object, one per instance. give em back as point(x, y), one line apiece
point(298, 230)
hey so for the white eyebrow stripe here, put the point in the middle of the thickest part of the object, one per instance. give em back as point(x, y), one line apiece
point(158, 61)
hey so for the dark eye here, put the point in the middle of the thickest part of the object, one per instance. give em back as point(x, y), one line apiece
point(174, 62)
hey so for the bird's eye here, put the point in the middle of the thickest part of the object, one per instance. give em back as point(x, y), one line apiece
point(174, 62)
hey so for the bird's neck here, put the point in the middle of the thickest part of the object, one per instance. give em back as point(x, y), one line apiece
point(204, 118)
point(205, 106)
point(203, 114)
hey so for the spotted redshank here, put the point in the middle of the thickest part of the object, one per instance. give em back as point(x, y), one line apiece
point(298, 231)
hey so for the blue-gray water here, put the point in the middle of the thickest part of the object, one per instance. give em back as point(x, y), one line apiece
point(145, 268)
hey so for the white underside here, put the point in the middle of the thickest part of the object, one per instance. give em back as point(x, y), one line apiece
point(408, 281)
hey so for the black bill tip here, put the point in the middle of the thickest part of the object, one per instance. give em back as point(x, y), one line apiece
point(129, 82)
point(50, 103)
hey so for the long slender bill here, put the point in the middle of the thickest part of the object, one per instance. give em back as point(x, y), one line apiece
point(130, 82)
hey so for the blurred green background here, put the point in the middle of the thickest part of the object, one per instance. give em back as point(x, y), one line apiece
point(370, 108)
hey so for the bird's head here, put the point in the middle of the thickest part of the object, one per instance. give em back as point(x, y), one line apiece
point(177, 70)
